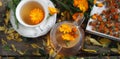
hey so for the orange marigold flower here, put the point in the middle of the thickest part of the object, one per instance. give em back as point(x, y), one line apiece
point(94, 1)
point(65, 28)
point(67, 37)
point(36, 15)
point(52, 10)
point(81, 4)
point(75, 15)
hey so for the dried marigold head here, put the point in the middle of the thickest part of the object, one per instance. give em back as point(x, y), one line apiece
point(36, 15)
point(52, 10)
point(99, 4)
point(81, 4)
point(94, 17)
point(65, 28)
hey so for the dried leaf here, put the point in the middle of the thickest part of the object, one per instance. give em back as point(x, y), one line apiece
point(10, 31)
point(9, 38)
point(44, 43)
point(2, 28)
point(115, 50)
point(7, 17)
point(48, 40)
point(118, 46)
point(19, 40)
point(59, 57)
point(16, 35)
point(35, 45)
point(3, 41)
point(93, 41)
point(89, 50)
point(0, 3)
point(13, 47)
point(5, 31)
point(105, 42)
point(52, 52)
point(36, 52)
point(20, 52)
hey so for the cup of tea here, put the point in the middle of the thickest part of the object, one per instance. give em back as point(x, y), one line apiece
point(31, 13)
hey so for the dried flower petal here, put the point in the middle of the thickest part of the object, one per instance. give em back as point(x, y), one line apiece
point(89, 50)
point(93, 41)
point(13, 47)
point(115, 50)
point(20, 52)
point(2, 28)
point(105, 42)
point(3, 41)
point(36, 52)
point(35, 45)
point(7, 17)
point(100, 4)
point(0, 3)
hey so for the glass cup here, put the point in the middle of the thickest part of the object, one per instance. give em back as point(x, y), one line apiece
point(59, 45)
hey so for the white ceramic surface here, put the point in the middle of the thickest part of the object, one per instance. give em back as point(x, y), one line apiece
point(98, 10)
point(35, 31)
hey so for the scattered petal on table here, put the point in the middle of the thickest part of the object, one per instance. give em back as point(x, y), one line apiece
point(36, 52)
point(105, 42)
point(20, 52)
point(118, 46)
point(7, 17)
point(3, 42)
point(93, 41)
point(13, 47)
point(89, 50)
point(35, 45)
point(0, 3)
point(2, 28)
point(115, 50)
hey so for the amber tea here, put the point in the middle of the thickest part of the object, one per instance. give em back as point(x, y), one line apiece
point(67, 35)
point(32, 13)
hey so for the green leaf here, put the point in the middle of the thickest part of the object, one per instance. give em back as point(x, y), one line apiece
point(6, 47)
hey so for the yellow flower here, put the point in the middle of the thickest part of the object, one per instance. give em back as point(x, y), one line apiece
point(67, 37)
point(36, 15)
point(75, 15)
point(81, 4)
point(65, 28)
point(52, 10)
point(94, 1)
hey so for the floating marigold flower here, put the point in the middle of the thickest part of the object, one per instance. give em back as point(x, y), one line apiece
point(36, 16)
point(65, 28)
point(81, 4)
point(52, 10)
point(67, 37)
